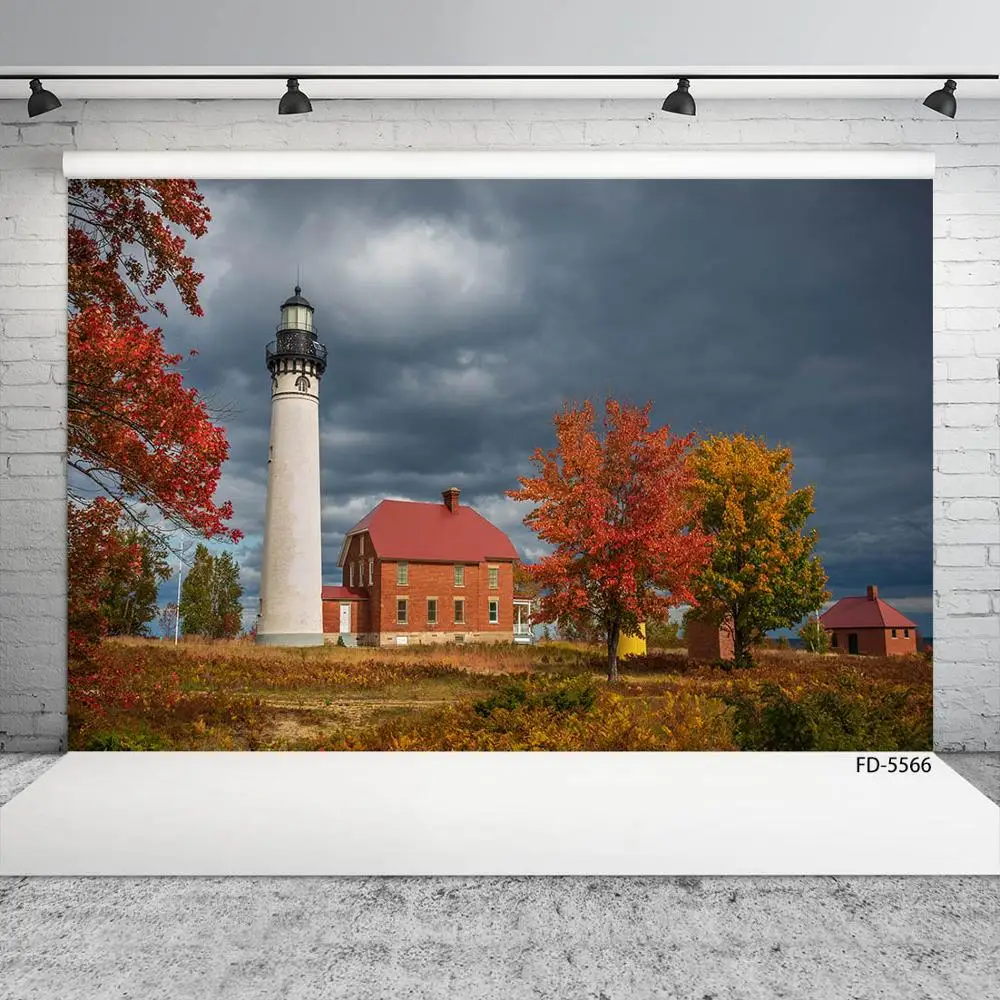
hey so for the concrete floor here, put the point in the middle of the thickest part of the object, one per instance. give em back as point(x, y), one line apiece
point(605, 939)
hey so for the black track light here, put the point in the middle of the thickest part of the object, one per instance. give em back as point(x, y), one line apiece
point(41, 100)
point(680, 102)
point(943, 100)
point(293, 101)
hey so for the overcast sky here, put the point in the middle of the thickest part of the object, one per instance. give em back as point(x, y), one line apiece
point(459, 315)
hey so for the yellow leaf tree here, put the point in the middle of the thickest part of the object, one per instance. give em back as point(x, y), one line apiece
point(762, 573)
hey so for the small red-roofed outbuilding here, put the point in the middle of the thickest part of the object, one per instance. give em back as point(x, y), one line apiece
point(869, 626)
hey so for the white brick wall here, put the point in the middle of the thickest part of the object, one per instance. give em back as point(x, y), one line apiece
point(33, 344)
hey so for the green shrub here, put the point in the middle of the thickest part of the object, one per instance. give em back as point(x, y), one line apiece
point(124, 741)
point(848, 714)
point(510, 696)
point(577, 694)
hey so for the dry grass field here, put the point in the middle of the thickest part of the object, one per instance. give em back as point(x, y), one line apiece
point(153, 695)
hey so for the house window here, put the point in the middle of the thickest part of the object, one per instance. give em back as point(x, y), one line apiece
point(352, 574)
point(833, 640)
point(494, 612)
point(371, 571)
point(459, 610)
point(894, 633)
point(906, 633)
point(402, 574)
point(459, 576)
point(401, 610)
point(302, 383)
point(361, 544)
point(432, 611)
point(494, 577)
point(459, 638)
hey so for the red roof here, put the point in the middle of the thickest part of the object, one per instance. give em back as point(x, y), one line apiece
point(863, 612)
point(337, 593)
point(430, 532)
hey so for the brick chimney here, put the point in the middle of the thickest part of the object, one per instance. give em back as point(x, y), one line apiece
point(872, 592)
point(450, 497)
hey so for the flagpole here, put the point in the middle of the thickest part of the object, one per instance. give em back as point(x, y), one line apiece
point(177, 616)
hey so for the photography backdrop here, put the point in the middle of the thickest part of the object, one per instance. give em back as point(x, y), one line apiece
point(967, 304)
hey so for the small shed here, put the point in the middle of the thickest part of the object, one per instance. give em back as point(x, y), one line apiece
point(709, 640)
point(869, 626)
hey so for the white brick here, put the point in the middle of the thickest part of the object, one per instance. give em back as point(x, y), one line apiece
point(959, 555)
point(25, 373)
point(987, 345)
point(36, 465)
point(47, 582)
point(32, 441)
point(959, 602)
point(967, 392)
point(972, 510)
point(966, 486)
point(964, 462)
point(967, 202)
point(32, 488)
point(966, 578)
point(973, 368)
point(973, 415)
point(966, 532)
point(965, 318)
point(33, 251)
point(35, 395)
point(968, 627)
point(966, 252)
point(50, 724)
point(979, 132)
point(26, 182)
point(964, 227)
point(978, 650)
point(967, 179)
point(973, 438)
point(500, 132)
point(38, 324)
point(967, 295)
point(948, 249)
point(47, 134)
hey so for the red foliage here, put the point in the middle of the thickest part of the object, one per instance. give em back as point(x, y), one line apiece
point(616, 507)
point(94, 546)
point(133, 421)
point(140, 436)
point(120, 232)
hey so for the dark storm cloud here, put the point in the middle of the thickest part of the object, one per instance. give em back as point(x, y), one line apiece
point(460, 315)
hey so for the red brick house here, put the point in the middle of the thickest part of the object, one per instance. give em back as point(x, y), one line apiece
point(869, 626)
point(419, 572)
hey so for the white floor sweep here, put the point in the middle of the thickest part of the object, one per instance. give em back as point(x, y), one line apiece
point(497, 814)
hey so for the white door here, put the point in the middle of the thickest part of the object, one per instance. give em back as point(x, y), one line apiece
point(345, 618)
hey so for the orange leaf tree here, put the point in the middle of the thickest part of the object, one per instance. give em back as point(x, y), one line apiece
point(137, 437)
point(762, 573)
point(616, 506)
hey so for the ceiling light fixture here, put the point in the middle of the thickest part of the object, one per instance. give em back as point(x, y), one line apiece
point(680, 102)
point(943, 100)
point(293, 101)
point(41, 100)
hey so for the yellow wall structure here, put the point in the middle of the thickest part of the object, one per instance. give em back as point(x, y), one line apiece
point(632, 644)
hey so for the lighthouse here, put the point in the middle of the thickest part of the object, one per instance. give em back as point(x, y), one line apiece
point(291, 579)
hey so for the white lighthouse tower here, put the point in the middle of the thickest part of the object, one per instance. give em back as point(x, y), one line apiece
point(291, 580)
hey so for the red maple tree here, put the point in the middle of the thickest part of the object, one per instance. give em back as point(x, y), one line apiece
point(617, 508)
point(138, 438)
